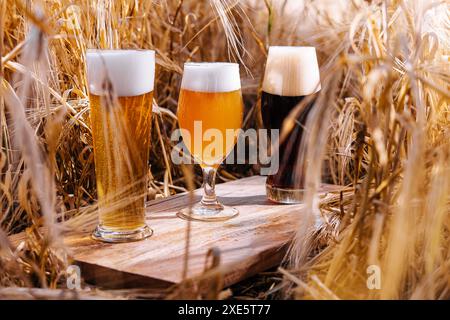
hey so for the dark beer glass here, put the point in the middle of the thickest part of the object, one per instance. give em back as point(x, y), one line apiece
point(291, 76)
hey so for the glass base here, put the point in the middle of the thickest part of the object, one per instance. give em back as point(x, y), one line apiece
point(201, 212)
point(285, 196)
point(107, 235)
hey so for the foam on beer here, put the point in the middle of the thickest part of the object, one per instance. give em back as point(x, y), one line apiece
point(291, 71)
point(211, 77)
point(131, 72)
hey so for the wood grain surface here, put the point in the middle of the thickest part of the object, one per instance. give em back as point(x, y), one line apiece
point(254, 241)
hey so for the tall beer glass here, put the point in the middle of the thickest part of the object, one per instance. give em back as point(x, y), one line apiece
point(210, 102)
point(120, 95)
point(291, 76)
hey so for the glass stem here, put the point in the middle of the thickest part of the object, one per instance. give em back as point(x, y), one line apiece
point(209, 183)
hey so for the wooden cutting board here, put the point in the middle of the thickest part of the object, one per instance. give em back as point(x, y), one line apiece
point(254, 241)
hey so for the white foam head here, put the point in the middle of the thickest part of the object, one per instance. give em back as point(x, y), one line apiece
point(211, 77)
point(131, 72)
point(291, 71)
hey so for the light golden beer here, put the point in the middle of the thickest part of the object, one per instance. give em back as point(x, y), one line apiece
point(210, 113)
point(121, 118)
point(215, 110)
point(121, 145)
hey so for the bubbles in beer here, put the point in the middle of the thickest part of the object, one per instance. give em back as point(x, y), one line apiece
point(291, 71)
point(131, 72)
point(211, 77)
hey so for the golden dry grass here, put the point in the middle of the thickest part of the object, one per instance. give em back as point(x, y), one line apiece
point(380, 127)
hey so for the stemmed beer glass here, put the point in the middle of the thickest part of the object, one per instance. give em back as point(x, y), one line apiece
point(210, 112)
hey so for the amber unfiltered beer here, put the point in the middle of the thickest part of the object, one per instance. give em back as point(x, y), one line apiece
point(214, 110)
point(121, 93)
point(291, 76)
point(210, 107)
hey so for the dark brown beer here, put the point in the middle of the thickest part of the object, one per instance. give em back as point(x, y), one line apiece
point(275, 109)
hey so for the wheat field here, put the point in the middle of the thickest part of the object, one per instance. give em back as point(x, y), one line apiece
point(380, 127)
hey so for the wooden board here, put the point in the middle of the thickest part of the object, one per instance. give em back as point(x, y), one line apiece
point(254, 241)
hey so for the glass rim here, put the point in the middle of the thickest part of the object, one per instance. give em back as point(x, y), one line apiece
point(205, 64)
point(292, 47)
point(112, 51)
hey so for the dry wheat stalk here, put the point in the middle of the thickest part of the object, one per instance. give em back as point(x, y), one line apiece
point(381, 127)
